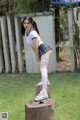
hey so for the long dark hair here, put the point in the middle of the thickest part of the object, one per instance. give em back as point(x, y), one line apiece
point(30, 19)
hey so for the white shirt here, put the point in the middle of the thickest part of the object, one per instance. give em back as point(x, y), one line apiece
point(32, 34)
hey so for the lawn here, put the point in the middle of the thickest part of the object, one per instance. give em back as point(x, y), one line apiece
point(17, 89)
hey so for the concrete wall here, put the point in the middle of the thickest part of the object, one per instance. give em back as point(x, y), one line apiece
point(46, 27)
point(13, 45)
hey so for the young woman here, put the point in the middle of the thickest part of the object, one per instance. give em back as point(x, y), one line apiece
point(42, 51)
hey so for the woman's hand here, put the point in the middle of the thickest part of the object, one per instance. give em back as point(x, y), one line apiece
point(38, 59)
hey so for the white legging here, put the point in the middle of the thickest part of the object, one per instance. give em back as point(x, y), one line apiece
point(43, 69)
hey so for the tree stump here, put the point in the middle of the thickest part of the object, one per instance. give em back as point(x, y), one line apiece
point(39, 88)
point(39, 111)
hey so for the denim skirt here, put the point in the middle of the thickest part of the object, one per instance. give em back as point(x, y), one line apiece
point(43, 48)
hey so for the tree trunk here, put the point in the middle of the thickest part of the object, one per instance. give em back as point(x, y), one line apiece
point(57, 30)
point(39, 111)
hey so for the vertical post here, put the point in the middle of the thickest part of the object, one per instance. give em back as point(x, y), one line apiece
point(1, 55)
point(11, 42)
point(1, 60)
point(72, 54)
point(54, 48)
point(18, 42)
point(79, 22)
point(5, 43)
point(79, 28)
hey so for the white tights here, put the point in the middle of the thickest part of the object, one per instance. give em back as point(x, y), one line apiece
point(44, 71)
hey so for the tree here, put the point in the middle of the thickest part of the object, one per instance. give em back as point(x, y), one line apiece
point(57, 29)
point(6, 7)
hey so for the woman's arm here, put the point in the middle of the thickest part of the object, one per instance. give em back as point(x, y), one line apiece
point(34, 46)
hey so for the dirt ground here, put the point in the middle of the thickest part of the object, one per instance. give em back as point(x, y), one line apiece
point(64, 65)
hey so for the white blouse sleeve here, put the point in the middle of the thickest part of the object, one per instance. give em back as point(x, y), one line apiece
point(34, 34)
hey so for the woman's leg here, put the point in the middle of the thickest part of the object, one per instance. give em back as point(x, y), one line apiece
point(44, 70)
point(44, 74)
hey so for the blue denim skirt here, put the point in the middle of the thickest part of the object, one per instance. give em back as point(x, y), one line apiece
point(43, 48)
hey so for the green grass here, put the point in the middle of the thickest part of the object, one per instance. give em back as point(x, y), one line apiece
point(16, 89)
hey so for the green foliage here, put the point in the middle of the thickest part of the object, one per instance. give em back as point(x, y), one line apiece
point(6, 7)
point(63, 17)
point(63, 21)
point(23, 6)
point(77, 42)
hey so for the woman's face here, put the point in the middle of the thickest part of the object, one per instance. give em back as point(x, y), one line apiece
point(27, 25)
